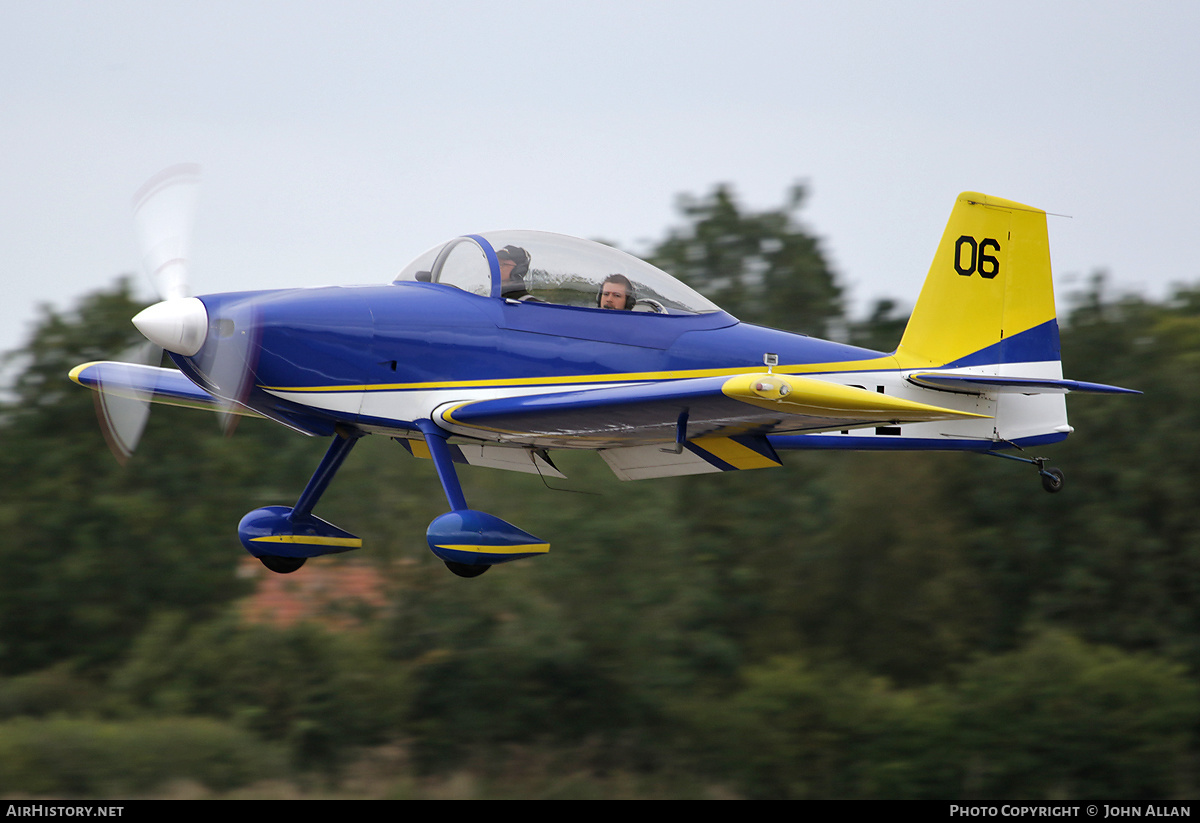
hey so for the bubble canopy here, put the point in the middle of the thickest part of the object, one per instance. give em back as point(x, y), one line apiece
point(543, 267)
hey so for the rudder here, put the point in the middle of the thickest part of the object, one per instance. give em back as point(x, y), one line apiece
point(989, 297)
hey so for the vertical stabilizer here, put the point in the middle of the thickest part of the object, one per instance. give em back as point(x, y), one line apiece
point(988, 298)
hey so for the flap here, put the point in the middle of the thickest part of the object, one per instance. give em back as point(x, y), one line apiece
point(700, 456)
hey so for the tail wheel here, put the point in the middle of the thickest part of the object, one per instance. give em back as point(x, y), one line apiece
point(282, 565)
point(1052, 480)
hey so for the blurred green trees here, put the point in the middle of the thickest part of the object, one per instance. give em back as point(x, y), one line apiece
point(850, 625)
point(761, 267)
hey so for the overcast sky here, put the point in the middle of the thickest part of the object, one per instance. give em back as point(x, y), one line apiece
point(340, 140)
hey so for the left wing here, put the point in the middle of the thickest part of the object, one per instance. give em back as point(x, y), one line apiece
point(152, 383)
point(683, 410)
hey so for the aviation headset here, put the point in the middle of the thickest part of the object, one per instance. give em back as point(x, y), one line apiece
point(519, 257)
point(630, 291)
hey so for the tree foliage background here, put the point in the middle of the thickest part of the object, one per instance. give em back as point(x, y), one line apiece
point(851, 625)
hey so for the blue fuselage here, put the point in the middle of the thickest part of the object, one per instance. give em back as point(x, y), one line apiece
point(419, 336)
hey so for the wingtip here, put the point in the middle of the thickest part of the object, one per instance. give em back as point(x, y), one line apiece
point(75, 373)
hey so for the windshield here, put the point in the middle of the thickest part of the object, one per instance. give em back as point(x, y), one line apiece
point(554, 268)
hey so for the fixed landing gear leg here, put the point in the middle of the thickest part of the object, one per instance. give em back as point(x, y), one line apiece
point(470, 542)
point(283, 537)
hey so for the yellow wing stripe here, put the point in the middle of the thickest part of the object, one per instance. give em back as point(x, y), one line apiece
point(734, 453)
point(419, 448)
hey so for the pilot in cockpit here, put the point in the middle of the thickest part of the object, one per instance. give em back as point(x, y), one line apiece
point(514, 265)
point(616, 293)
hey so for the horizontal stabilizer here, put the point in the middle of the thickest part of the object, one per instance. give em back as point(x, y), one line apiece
point(979, 383)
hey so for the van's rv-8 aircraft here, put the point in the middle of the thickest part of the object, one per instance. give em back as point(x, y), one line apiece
point(494, 349)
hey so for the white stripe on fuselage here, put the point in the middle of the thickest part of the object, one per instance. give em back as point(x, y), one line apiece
point(1010, 416)
point(1013, 416)
point(407, 405)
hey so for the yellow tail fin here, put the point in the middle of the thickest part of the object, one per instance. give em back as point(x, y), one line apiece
point(988, 298)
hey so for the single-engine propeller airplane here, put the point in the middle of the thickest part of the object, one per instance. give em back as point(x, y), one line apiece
point(494, 349)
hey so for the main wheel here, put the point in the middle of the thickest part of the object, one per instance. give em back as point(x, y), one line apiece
point(1052, 480)
point(282, 565)
point(465, 569)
